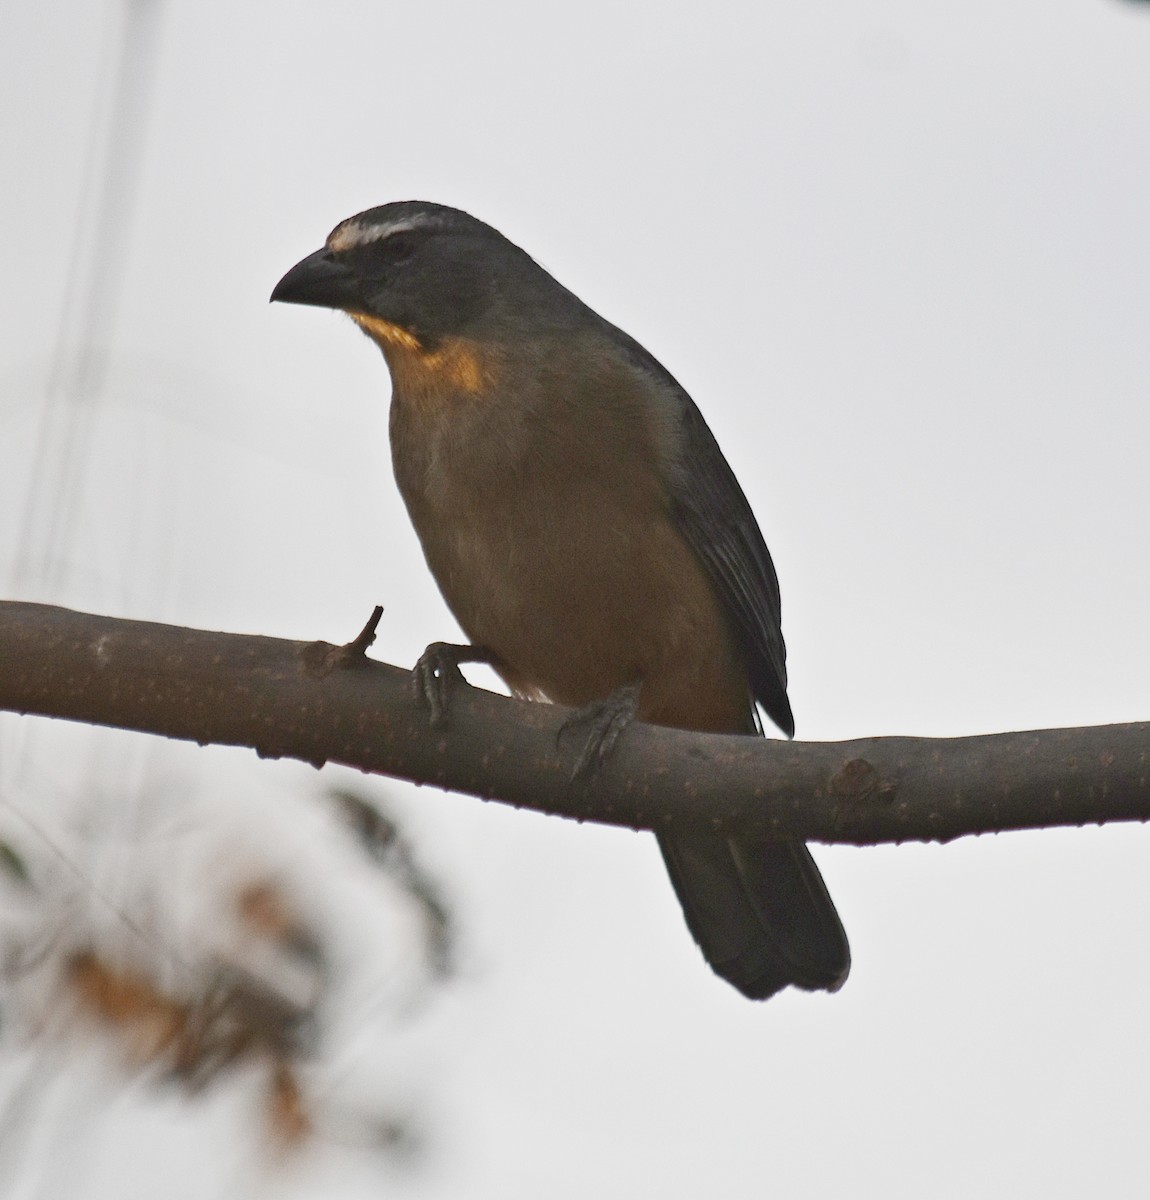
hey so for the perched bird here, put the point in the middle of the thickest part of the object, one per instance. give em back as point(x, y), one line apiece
point(587, 533)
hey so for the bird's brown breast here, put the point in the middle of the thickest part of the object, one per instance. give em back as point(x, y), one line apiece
point(547, 526)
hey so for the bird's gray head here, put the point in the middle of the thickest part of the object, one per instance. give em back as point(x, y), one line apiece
point(414, 274)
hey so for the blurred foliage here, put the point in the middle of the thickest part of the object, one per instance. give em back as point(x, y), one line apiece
point(380, 836)
point(190, 990)
point(12, 863)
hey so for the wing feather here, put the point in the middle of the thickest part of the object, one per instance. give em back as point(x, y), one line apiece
point(715, 518)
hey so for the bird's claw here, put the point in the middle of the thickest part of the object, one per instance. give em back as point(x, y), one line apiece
point(605, 721)
point(437, 673)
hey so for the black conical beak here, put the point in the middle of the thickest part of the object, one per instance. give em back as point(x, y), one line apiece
point(320, 280)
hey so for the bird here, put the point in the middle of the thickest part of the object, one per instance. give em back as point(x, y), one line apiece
point(588, 535)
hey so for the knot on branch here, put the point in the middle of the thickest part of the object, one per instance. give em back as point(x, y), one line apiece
point(858, 782)
point(321, 658)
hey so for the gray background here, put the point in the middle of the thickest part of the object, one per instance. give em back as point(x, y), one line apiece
point(899, 253)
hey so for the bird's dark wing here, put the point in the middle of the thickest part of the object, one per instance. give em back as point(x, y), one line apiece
point(711, 510)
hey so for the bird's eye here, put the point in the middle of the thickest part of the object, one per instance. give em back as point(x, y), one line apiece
point(375, 259)
point(398, 247)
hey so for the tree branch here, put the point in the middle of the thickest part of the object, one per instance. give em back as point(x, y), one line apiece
point(323, 703)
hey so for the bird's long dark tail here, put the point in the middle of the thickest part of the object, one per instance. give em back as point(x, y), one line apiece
point(759, 910)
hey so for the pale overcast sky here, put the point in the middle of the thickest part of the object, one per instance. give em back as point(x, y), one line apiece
point(899, 253)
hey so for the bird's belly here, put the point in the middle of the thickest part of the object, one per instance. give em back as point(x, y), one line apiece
point(556, 550)
point(576, 600)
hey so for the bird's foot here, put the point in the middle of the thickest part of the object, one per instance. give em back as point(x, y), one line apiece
point(437, 672)
point(605, 721)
